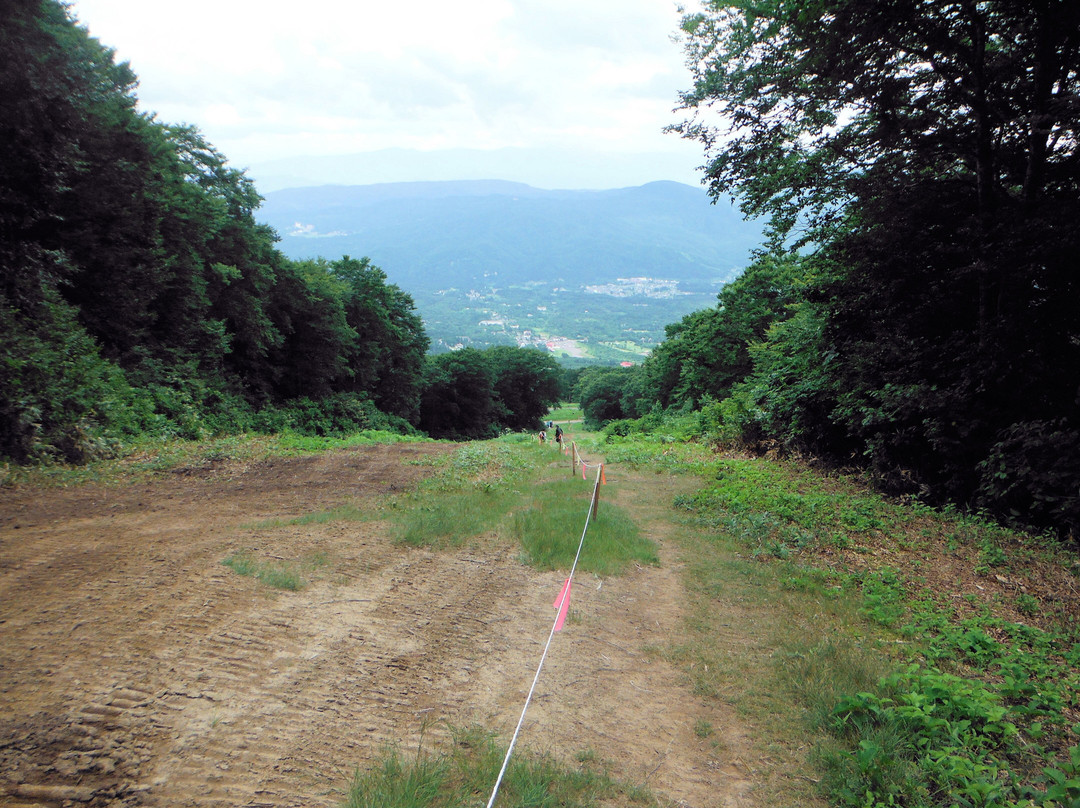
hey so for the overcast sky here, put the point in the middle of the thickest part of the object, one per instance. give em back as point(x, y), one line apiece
point(269, 80)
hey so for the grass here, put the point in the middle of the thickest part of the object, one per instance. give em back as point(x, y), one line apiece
point(550, 527)
point(452, 518)
point(566, 411)
point(911, 690)
point(465, 774)
point(275, 574)
point(522, 492)
point(470, 495)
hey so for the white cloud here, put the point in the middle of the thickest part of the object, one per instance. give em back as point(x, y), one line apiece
point(270, 80)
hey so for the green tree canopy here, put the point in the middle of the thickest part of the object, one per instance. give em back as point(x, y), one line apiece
point(526, 384)
point(458, 399)
point(139, 292)
point(608, 394)
point(927, 158)
point(707, 353)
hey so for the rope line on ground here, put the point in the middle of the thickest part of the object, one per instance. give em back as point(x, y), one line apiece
point(562, 604)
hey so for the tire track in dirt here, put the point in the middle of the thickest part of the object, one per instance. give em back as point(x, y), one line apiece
point(139, 671)
point(367, 665)
point(117, 617)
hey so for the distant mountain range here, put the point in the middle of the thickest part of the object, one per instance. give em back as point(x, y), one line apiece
point(539, 167)
point(472, 251)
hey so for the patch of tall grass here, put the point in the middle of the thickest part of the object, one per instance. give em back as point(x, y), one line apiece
point(466, 773)
point(450, 518)
point(273, 574)
point(550, 529)
point(470, 495)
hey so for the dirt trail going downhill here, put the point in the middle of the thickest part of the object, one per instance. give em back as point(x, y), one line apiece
point(137, 670)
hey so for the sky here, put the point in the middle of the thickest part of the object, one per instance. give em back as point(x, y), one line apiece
point(266, 81)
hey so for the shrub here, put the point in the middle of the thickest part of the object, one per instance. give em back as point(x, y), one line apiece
point(1032, 474)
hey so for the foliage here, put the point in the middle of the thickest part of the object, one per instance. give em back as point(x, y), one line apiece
point(386, 360)
point(707, 353)
point(924, 156)
point(607, 394)
point(526, 385)
point(466, 772)
point(458, 400)
point(470, 394)
point(979, 708)
point(140, 295)
point(55, 388)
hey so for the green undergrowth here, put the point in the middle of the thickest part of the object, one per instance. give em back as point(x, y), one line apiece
point(275, 574)
point(471, 492)
point(517, 490)
point(465, 774)
point(549, 529)
point(910, 691)
point(150, 457)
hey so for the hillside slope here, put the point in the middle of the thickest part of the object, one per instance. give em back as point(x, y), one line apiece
point(501, 262)
point(438, 235)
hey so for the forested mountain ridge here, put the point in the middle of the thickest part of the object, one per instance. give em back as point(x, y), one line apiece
point(492, 262)
point(438, 235)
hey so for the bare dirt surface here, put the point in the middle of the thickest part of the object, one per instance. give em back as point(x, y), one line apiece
point(137, 670)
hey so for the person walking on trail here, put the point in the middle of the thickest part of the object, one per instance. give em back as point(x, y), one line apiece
point(558, 435)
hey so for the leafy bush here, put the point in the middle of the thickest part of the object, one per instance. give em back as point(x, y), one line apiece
point(1032, 475)
point(58, 398)
point(336, 416)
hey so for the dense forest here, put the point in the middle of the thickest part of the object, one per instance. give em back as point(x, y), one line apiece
point(140, 296)
point(915, 312)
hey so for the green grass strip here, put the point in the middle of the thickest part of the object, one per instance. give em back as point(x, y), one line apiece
point(550, 531)
point(464, 776)
point(276, 576)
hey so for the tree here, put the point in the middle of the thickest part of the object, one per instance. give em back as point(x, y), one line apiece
point(927, 155)
point(607, 394)
point(526, 385)
point(387, 359)
point(309, 309)
point(458, 400)
point(708, 352)
point(825, 102)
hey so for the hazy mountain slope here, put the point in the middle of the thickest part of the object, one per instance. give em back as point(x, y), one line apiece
point(502, 262)
point(451, 234)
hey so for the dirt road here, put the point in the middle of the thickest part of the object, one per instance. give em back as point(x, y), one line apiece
point(137, 670)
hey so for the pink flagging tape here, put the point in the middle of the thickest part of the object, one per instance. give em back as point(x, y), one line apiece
point(562, 603)
point(603, 477)
point(584, 466)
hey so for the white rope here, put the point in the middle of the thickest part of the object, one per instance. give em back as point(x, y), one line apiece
point(551, 635)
